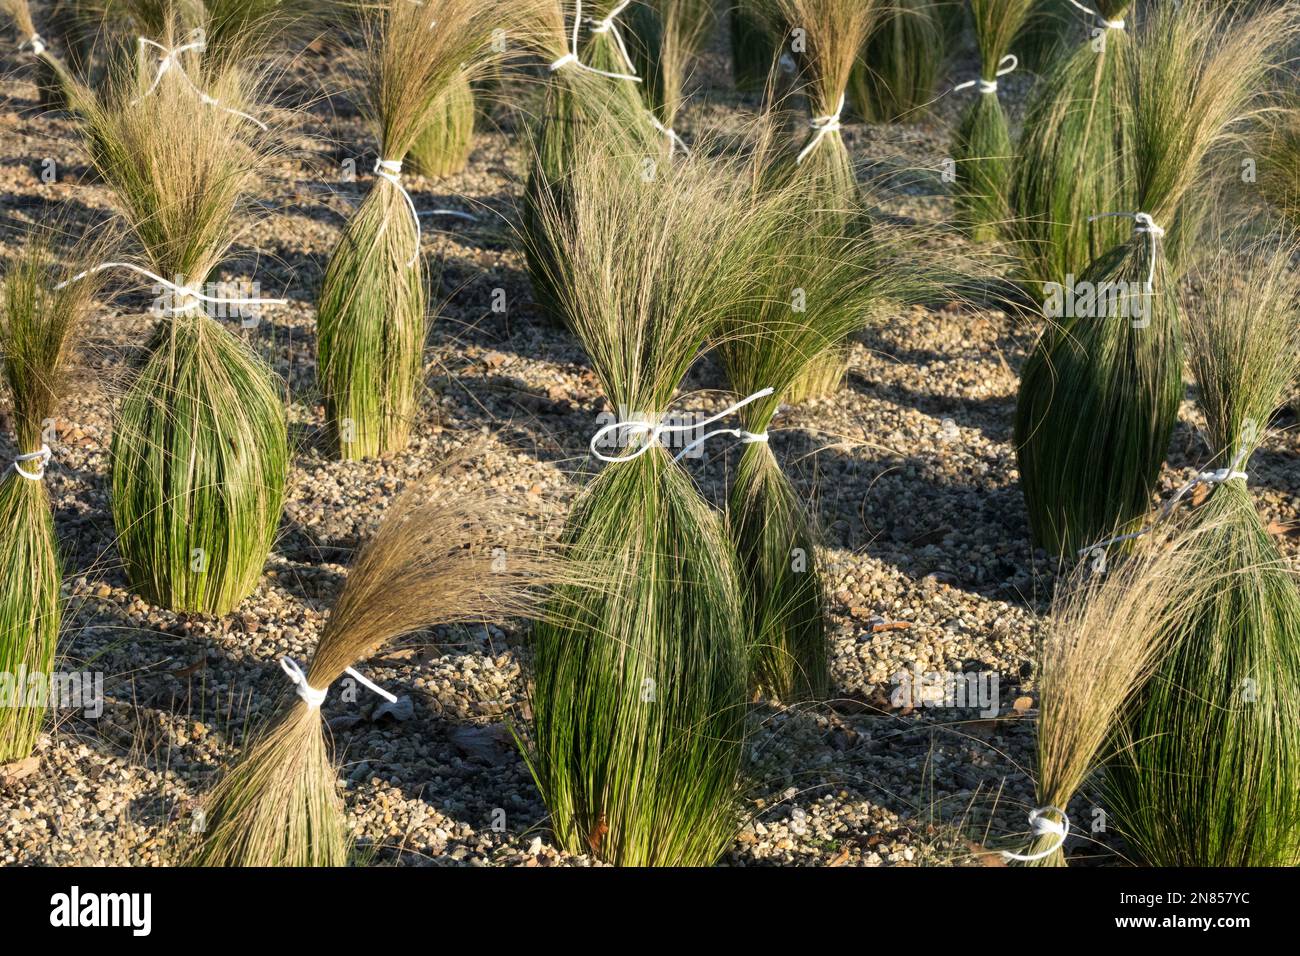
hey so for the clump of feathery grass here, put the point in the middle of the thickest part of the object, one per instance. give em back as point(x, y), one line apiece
point(576, 99)
point(431, 562)
point(199, 455)
point(1107, 633)
point(38, 329)
point(1099, 394)
point(1211, 775)
point(58, 86)
point(899, 63)
point(639, 690)
point(847, 279)
point(1075, 155)
point(666, 37)
point(445, 143)
point(753, 46)
point(1045, 34)
point(371, 323)
point(835, 30)
point(982, 141)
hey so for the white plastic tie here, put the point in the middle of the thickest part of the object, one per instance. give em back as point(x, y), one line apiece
point(1108, 24)
point(314, 696)
point(171, 58)
point(391, 170)
point(42, 457)
point(1042, 826)
point(190, 298)
point(1007, 64)
point(1143, 225)
point(652, 433)
point(36, 43)
point(571, 58)
point(610, 26)
point(824, 126)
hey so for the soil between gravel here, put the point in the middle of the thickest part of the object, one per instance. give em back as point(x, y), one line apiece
point(910, 467)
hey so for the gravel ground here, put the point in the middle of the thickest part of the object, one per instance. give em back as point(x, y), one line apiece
point(910, 467)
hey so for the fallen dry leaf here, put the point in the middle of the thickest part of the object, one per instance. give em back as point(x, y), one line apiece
point(1022, 705)
point(890, 626)
point(11, 773)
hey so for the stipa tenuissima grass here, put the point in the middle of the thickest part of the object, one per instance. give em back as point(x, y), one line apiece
point(371, 321)
point(58, 85)
point(982, 141)
point(588, 80)
point(1099, 395)
point(435, 559)
point(1232, 799)
point(639, 690)
point(1107, 634)
point(898, 65)
point(38, 327)
point(666, 38)
point(200, 444)
point(1074, 157)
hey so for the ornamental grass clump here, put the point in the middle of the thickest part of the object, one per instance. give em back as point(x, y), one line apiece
point(899, 63)
point(435, 559)
point(639, 690)
point(445, 143)
point(1075, 154)
point(982, 142)
point(371, 322)
point(589, 79)
point(1099, 394)
point(834, 32)
point(199, 454)
point(58, 86)
point(844, 282)
point(1279, 165)
point(38, 328)
point(1211, 773)
point(1108, 631)
point(753, 47)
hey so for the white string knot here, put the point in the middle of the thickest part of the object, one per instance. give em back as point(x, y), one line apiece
point(42, 458)
point(170, 58)
point(824, 126)
point(1143, 225)
point(391, 170)
point(190, 298)
point(314, 696)
point(651, 433)
point(608, 25)
point(1007, 64)
point(36, 43)
point(571, 58)
point(1043, 826)
point(1108, 24)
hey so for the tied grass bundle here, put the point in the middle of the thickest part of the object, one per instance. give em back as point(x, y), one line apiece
point(430, 563)
point(847, 280)
point(38, 325)
point(371, 323)
point(199, 455)
point(444, 146)
point(1099, 394)
point(1045, 34)
point(982, 142)
point(639, 690)
point(1076, 156)
point(899, 63)
point(1232, 798)
point(1279, 173)
point(835, 30)
point(58, 86)
point(578, 99)
point(1107, 634)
